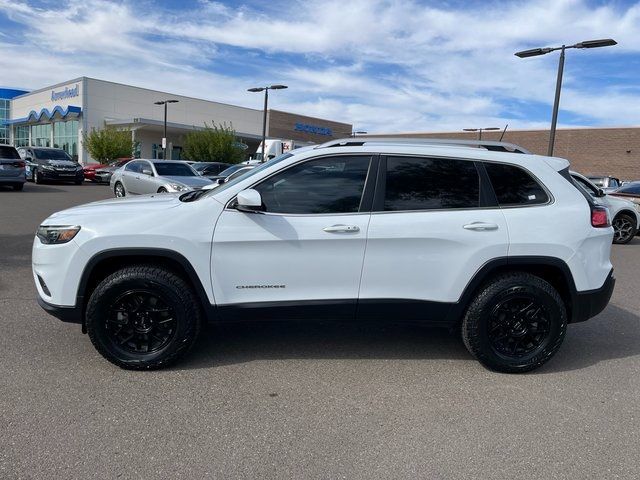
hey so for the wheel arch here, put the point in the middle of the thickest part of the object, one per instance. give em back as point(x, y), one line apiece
point(628, 212)
point(107, 262)
point(551, 269)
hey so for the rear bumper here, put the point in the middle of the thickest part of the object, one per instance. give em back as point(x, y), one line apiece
point(66, 314)
point(590, 303)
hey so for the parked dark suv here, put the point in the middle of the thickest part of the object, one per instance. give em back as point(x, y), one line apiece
point(51, 164)
point(11, 167)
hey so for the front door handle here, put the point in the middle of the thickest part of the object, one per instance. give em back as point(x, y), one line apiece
point(342, 229)
point(480, 226)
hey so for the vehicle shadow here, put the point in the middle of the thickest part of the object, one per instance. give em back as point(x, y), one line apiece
point(614, 334)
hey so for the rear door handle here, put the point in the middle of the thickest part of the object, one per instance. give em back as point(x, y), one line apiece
point(342, 229)
point(480, 226)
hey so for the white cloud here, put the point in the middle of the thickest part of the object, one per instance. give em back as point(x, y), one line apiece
point(382, 65)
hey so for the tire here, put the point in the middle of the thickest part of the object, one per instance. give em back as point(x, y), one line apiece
point(624, 228)
point(175, 318)
point(18, 187)
point(162, 190)
point(36, 177)
point(119, 191)
point(494, 323)
point(79, 182)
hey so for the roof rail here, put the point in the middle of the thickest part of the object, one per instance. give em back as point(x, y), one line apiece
point(486, 144)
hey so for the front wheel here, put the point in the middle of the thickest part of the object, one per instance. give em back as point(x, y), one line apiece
point(118, 190)
point(162, 190)
point(36, 177)
point(143, 318)
point(624, 229)
point(515, 324)
point(18, 186)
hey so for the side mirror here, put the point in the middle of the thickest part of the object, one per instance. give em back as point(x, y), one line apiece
point(146, 171)
point(249, 201)
point(601, 193)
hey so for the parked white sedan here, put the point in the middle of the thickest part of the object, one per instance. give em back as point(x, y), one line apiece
point(140, 177)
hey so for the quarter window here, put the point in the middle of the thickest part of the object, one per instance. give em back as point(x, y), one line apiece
point(325, 185)
point(514, 186)
point(431, 183)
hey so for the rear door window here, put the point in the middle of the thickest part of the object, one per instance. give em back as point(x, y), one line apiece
point(514, 186)
point(421, 183)
point(9, 153)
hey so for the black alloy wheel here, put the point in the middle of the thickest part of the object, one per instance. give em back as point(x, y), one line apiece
point(624, 229)
point(140, 321)
point(518, 325)
point(143, 317)
point(36, 177)
point(515, 323)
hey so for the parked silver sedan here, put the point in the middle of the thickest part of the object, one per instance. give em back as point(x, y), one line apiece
point(140, 177)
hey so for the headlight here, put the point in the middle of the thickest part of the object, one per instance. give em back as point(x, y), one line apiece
point(178, 187)
point(56, 234)
point(47, 167)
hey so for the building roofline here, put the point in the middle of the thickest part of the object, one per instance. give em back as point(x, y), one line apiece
point(50, 87)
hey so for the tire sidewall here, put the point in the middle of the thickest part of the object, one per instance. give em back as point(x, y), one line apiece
point(98, 311)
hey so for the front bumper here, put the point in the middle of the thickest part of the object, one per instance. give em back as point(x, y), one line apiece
point(590, 303)
point(61, 176)
point(66, 314)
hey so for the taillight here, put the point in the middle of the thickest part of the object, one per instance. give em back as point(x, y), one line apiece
point(600, 217)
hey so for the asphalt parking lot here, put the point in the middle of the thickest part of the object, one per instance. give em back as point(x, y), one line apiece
point(323, 400)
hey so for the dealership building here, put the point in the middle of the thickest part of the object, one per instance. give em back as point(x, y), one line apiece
point(59, 115)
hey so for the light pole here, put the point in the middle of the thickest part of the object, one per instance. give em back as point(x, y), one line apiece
point(534, 52)
point(164, 137)
point(355, 133)
point(264, 113)
point(480, 130)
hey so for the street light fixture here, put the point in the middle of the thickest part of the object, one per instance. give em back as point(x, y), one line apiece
point(534, 52)
point(164, 137)
point(480, 130)
point(264, 113)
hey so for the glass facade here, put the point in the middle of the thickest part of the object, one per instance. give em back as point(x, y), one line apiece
point(21, 136)
point(41, 135)
point(4, 115)
point(65, 136)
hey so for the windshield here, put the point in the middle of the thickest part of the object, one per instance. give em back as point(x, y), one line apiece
point(174, 170)
point(252, 172)
point(51, 154)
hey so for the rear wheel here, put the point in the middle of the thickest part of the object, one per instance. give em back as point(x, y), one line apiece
point(143, 317)
point(515, 324)
point(118, 190)
point(18, 186)
point(624, 228)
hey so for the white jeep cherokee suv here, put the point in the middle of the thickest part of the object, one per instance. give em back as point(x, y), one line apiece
point(500, 245)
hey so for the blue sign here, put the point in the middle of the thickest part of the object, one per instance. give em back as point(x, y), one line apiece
point(303, 127)
point(66, 93)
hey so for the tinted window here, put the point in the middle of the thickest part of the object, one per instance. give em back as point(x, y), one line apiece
point(325, 185)
point(228, 171)
point(51, 154)
point(632, 188)
point(174, 169)
point(9, 153)
point(514, 186)
point(431, 183)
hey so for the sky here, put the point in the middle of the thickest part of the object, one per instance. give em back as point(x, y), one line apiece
point(382, 65)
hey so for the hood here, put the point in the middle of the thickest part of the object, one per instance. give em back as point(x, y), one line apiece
point(189, 181)
point(116, 208)
point(62, 163)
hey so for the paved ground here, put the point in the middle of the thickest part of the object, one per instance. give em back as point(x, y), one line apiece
point(307, 401)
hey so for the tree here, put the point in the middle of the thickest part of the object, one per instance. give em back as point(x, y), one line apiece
point(216, 143)
point(107, 144)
